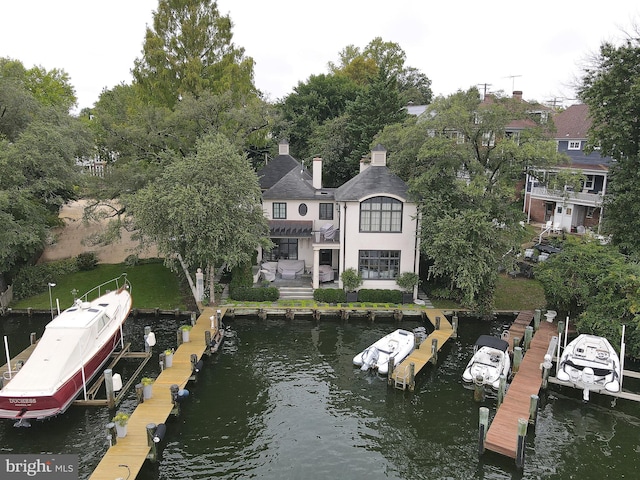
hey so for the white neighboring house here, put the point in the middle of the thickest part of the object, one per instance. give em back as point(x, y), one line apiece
point(368, 223)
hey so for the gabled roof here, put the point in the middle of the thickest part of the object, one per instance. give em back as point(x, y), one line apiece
point(573, 123)
point(374, 180)
point(276, 169)
point(297, 185)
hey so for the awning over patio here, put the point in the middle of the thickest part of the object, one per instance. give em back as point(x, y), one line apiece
point(290, 228)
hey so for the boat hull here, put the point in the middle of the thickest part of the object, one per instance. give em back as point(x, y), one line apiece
point(63, 363)
point(398, 344)
point(590, 362)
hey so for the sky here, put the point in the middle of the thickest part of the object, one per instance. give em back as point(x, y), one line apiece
point(537, 47)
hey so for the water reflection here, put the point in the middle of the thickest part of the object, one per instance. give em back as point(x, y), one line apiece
point(283, 400)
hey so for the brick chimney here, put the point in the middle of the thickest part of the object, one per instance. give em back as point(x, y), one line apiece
point(517, 94)
point(317, 173)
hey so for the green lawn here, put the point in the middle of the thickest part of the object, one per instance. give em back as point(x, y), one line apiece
point(511, 294)
point(152, 285)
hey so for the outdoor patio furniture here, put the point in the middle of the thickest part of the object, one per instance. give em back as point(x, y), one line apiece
point(325, 273)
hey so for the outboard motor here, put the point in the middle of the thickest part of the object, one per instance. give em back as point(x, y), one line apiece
point(369, 358)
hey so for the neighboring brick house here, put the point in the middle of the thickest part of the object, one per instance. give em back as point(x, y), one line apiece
point(368, 223)
point(563, 208)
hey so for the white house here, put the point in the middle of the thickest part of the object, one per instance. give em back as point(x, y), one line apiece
point(368, 223)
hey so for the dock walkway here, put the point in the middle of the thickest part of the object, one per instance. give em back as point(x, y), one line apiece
point(517, 328)
point(502, 436)
point(402, 376)
point(133, 449)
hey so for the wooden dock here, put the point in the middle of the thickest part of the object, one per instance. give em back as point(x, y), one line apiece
point(133, 449)
point(502, 436)
point(517, 328)
point(402, 376)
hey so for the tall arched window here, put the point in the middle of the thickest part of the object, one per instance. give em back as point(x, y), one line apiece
point(381, 214)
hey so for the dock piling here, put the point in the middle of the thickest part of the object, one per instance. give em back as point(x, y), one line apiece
point(528, 335)
point(533, 409)
point(478, 389)
point(517, 359)
point(546, 371)
point(522, 434)
point(536, 319)
point(434, 350)
point(454, 326)
point(502, 389)
point(139, 393)
point(391, 366)
point(108, 385)
point(32, 338)
point(437, 325)
point(112, 435)
point(483, 427)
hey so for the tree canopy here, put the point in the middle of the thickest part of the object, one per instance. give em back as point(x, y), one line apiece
point(462, 159)
point(611, 88)
point(189, 50)
point(206, 207)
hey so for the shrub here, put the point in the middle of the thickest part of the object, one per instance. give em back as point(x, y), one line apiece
point(33, 279)
point(260, 294)
point(329, 295)
point(241, 276)
point(87, 261)
point(351, 279)
point(132, 260)
point(380, 296)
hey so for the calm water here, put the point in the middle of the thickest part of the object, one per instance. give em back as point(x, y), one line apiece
point(281, 400)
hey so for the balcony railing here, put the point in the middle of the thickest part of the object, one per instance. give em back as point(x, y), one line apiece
point(589, 199)
point(319, 236)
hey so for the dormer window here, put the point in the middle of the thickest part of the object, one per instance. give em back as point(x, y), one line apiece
point(574, 144)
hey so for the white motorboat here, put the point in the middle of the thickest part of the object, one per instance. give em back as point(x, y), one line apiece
point(74, 347)
point(590, 362)
point(490, 360)
point(397, 344)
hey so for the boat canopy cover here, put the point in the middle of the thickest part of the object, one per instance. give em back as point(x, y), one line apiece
point(493, 342)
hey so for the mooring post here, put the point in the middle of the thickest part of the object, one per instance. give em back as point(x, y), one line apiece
point(139, 393)
point(178, 337)
point(483, 427)
point(193, 319)
point(546, 371)
point(454, 326)
point(502, 389)
point(391, 364)
point(112, 434)
point(434, 350)
point(478, 389)
point(153, 452)
point(412, 376)
point(437, 323)
point(147, 331)
point(207, 340)
point(536, 319)
point(517, 359)
point(516, 342)
point(398, 315)
point(108, 386)
point(533, 409)
point(161, 355)
point(528, 335)
point(289, 314)
point(32, 338)
point(522, 434)
point(174, 389)
point(262, 314)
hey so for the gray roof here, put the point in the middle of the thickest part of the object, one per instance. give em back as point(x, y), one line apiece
point(374, 180)
point(297, 185)
point(277, 168)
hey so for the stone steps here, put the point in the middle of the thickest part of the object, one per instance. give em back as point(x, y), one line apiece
point(296, 293)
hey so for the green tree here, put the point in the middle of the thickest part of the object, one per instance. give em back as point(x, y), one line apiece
point(611, 88)
point(596, 285)
point(189, 50)
point(462, 163)
point(205, 207)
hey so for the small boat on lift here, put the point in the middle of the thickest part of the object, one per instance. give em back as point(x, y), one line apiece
point(74, 347)
point(490, 360)
point(397, 345)
point(590, 362)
